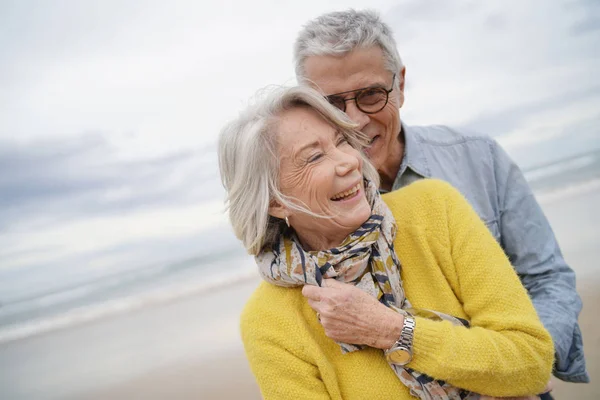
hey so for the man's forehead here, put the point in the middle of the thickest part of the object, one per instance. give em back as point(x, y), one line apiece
point(356, 70)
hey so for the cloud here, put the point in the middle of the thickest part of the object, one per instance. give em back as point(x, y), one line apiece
point(578, 103)
point(589, 16)
point(75, 196)
point(511, 73)
point(156, 71)
point(69, 177)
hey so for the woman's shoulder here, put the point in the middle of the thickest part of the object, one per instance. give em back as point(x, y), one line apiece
point(268, 304)
point(266, 293)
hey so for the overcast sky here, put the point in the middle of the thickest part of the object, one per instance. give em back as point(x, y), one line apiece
point(109, 110)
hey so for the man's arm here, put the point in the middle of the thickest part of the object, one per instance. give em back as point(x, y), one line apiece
point(531, 246)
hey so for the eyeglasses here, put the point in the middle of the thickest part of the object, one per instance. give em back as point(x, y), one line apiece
point(368, 100)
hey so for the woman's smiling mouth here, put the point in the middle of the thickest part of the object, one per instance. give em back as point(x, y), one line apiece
point(347, 194)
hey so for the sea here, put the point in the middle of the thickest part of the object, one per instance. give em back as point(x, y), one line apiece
point(145, 286)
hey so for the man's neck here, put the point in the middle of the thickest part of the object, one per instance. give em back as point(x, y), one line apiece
point(389, 170)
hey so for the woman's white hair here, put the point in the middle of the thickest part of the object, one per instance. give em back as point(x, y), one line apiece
point(249, 162)
point(338, 33)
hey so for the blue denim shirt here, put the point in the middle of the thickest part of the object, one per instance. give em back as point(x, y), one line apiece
point(494, 185)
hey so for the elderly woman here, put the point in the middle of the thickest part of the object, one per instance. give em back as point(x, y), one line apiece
point(368, 297)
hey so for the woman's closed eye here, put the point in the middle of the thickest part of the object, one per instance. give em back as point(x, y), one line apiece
point(342, 140)
point(317, 156)
point(314, 157)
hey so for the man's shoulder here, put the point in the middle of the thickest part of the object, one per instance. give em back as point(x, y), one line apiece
point(442, 135)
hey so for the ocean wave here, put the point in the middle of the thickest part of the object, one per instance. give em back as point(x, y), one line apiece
point(123, 305)
point(110, 285)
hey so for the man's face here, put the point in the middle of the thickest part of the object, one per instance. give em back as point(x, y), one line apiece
point(362, 68)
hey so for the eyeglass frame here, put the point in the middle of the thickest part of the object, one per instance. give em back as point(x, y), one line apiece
point(358, 92)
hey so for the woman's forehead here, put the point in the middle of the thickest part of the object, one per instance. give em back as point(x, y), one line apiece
point(301, 126)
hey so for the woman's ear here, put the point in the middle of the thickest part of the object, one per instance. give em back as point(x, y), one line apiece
point(277, 210)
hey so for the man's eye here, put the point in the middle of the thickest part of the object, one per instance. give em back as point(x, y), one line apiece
point(337, 102)
point(372, 96)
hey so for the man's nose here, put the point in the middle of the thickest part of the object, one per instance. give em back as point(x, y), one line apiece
point(356, 115)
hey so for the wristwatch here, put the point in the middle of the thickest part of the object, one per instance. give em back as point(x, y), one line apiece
point(401, 352)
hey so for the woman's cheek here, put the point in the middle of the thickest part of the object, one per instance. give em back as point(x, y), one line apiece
point(295, 179)
point(307, 184)
point(356, 154)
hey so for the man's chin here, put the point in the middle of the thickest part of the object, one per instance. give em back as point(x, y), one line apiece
point(372, 151)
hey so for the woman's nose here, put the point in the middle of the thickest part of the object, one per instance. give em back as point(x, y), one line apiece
point(346, 163)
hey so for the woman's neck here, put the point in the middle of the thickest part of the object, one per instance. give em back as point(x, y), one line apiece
point(315, 241)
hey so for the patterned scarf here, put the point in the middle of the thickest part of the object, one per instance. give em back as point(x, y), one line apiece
point(366, 259)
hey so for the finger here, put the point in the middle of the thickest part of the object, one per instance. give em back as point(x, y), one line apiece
point(315, 305)
point(312, 292)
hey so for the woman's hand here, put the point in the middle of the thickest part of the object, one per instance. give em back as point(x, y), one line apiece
point(350, 315)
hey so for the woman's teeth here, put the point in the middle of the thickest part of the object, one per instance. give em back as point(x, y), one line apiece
point(347, 193)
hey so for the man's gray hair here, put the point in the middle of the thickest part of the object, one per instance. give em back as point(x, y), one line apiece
point(338, 33)
point(249, 162)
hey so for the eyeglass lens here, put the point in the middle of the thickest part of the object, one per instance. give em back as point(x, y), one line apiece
point(368, 100)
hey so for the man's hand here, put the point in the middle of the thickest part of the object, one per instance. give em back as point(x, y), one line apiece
point(350, 315)
point(548, 388)
point(510, 398)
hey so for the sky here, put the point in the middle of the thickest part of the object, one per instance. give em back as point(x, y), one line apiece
point(110, 110)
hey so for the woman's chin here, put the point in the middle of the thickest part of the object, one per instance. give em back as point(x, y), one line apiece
point(355, 215)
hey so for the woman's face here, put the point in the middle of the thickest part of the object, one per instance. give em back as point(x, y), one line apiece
point(323, 172)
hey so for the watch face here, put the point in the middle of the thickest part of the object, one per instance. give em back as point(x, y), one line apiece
point(399, 356)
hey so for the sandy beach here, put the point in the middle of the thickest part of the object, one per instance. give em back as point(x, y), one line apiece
point(190, 348)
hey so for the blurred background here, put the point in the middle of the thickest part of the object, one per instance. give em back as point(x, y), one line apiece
point(119, 274)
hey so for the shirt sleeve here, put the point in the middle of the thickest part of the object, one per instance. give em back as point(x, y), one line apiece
point(506, 351)
point(531, 246)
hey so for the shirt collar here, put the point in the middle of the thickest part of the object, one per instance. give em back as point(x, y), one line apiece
point(414, 156)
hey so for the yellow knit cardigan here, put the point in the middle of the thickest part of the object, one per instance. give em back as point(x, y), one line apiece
point(450, 263)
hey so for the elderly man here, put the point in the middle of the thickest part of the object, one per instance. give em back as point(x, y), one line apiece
point(351, 57)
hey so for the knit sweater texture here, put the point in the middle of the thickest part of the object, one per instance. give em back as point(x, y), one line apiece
point(450, 263)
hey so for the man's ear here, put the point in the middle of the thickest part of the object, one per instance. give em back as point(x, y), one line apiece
point(402, 76)
point(277, 210)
